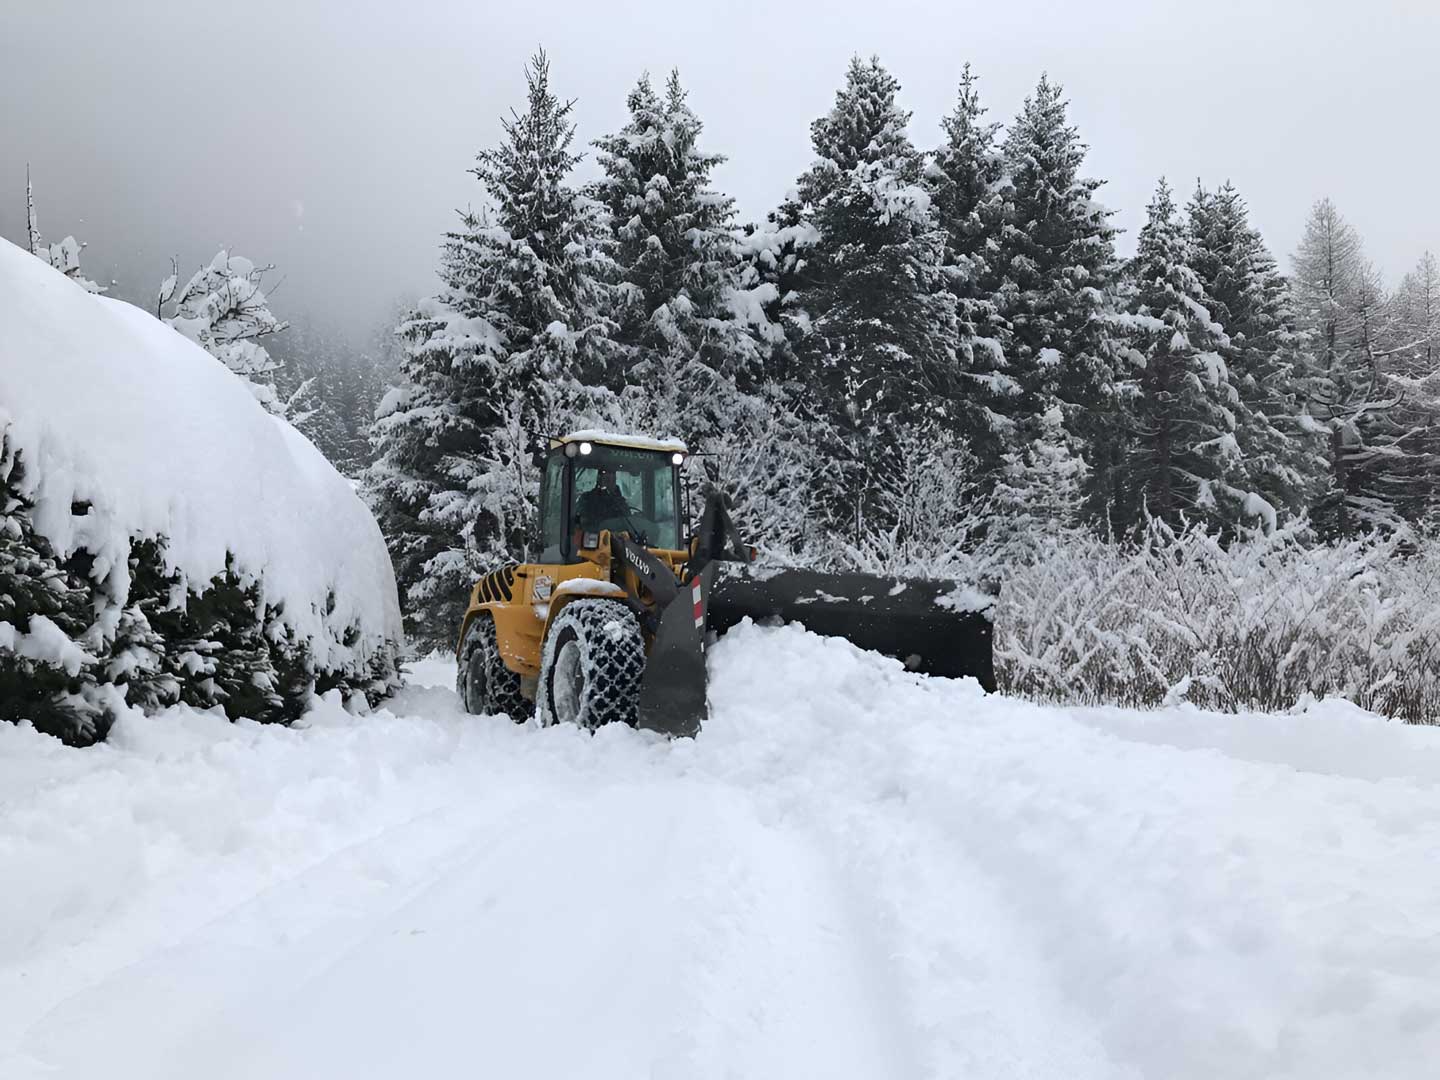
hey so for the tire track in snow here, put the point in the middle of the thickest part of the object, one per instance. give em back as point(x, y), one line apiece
point(1205, 916)
point(853, 872)
point(976, 994)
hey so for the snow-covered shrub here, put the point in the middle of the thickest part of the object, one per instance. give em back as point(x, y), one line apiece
point(224, 310)
point(929, 512)
point(1263, 623)
point(162, 538)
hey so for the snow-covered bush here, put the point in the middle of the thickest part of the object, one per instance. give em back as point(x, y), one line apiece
point(224, 310)
point(162, 538)
point(1263, 623)
point(930, 513)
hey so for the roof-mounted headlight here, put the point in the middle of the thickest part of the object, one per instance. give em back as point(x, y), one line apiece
point(677, 458)
point(585, 448)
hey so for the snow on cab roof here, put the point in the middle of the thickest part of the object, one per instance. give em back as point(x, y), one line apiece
point(639, 442)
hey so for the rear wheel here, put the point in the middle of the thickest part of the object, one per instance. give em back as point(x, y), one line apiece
point(485, 685)
point(592, 665)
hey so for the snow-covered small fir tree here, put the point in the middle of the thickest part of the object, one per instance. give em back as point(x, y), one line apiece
point(64, 256)
point(45, 613)
point(223, 309)
point(1039, 494)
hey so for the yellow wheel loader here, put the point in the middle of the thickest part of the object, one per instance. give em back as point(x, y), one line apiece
point(610, 624)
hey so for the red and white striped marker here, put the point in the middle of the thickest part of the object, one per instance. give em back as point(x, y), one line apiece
point(699, 595)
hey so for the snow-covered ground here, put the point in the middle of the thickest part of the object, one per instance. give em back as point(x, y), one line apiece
point(853, 872)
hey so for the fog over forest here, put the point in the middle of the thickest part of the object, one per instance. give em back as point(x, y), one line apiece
point(333, 139)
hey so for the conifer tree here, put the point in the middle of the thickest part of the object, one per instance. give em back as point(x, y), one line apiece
point(64, 256)
point(680, 346)
point(1265, 355)
point(44, 613)
point(965, 180)
point(882, 329)
point(775, 274)
point(1057, 259)
point(1057, 264)
point(1185, 458)
point(515, 344)
point(1415, 373)
point(1417, 315)
point(1039, 494)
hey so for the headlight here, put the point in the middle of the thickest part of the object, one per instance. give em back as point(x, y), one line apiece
point(585, 448)
point(678, 459)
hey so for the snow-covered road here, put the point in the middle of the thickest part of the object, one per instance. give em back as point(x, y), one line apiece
point(853, 872)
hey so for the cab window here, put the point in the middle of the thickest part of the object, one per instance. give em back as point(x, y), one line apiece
point(627, 491)
point(552, 503)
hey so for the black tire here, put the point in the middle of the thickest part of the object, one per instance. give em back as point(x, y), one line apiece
point(485, 685)
point(592, 664)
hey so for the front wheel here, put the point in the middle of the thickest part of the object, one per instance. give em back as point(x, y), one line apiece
point(485, 685)
point(591, 667)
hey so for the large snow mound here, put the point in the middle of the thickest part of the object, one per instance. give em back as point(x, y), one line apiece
point(853, 872)
point(112, 408)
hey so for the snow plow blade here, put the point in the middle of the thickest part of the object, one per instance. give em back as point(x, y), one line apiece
point(672, 691)
point(933, 627)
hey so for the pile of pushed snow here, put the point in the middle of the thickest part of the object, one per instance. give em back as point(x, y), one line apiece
point(127, 431)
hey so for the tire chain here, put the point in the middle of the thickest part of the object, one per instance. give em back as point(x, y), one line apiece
point(503, 684)
point(612, 658)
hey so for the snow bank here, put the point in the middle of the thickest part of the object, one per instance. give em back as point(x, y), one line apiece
point(854, 872)
point(128, 430)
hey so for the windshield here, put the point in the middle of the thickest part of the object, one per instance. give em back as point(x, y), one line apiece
point(627, 490)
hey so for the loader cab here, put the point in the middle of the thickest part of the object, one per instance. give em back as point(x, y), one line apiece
point(594, 482)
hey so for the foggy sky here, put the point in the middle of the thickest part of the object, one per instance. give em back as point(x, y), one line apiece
point(333, 139)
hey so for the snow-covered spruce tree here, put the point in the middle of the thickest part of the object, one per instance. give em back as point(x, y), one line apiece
point(44, 613)
point(1057, 261)
point(964, 179)
point(1039, 495)
point(515, 344)
point(224, 310)
point(1349, 399)
point(882, 329)
point(774, 279)
point(1266, 354)
point(64, 256)
point(1184, 459)
point(681, 347)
